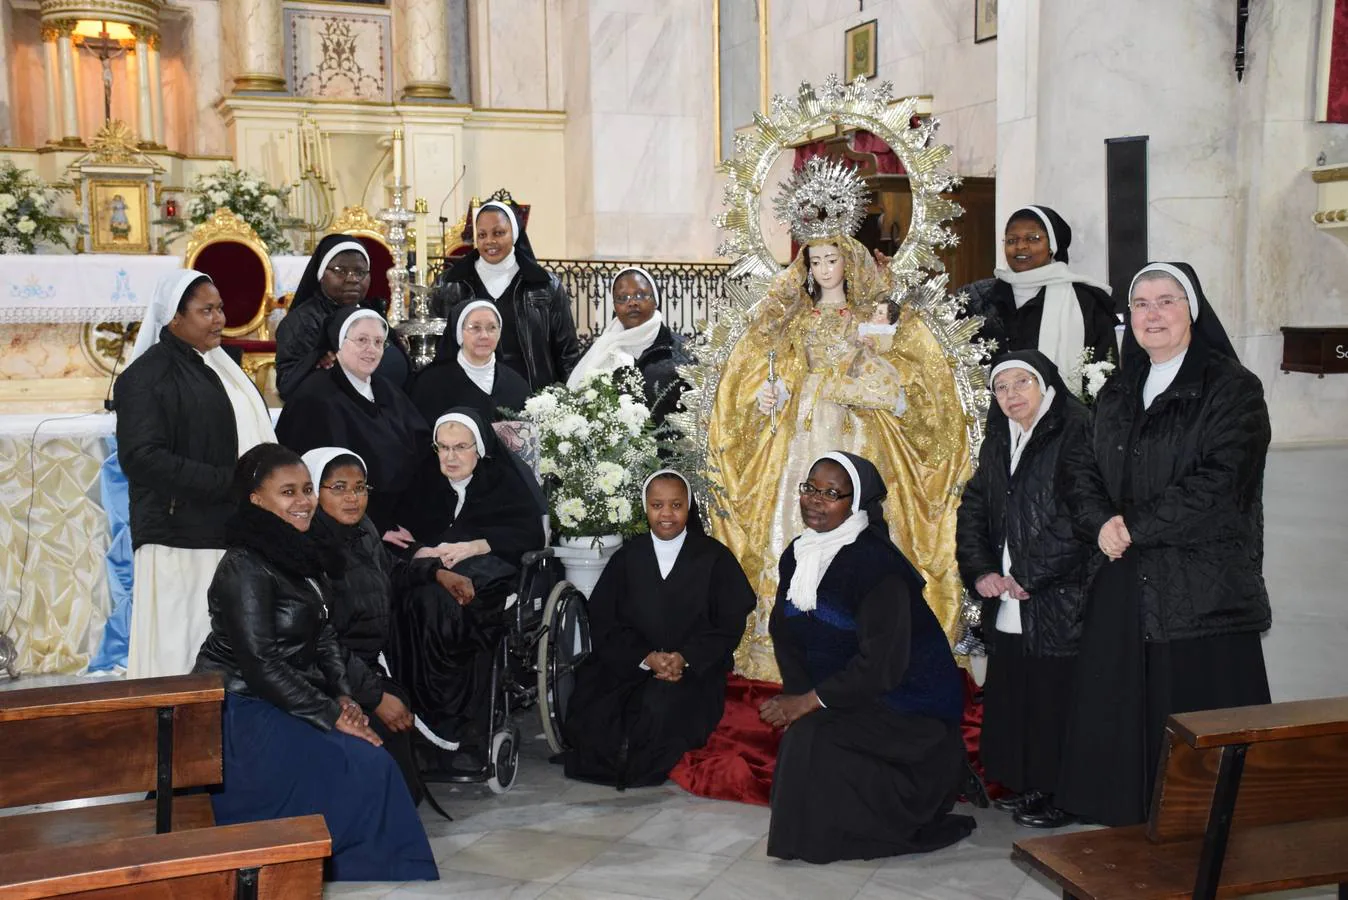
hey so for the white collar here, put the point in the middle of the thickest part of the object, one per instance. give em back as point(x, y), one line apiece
point(496, 277)
point(667, 551)
point(484, 376)
point(364, 388)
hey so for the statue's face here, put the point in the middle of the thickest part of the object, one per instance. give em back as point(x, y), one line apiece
point(826, 264)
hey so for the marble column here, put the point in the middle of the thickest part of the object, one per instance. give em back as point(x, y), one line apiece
point(144, 111)
point(50, 69)
point(257, 35)
point(156, 92)
point(65, 56)
point(424, 35)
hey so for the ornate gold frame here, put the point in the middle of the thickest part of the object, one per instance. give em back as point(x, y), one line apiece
point(357, 222)
point(224, 225)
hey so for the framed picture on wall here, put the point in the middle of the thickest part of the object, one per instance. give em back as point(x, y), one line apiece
point(859, 51)
point(985, 20)
point(119, 214)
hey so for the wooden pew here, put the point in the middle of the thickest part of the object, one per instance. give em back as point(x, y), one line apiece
point(1247, 800)
point(103, 739)
point(281, 859)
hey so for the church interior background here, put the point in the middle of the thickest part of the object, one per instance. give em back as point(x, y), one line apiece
point(608, 119)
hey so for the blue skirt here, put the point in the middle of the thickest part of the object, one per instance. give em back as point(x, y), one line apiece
point(277, 766)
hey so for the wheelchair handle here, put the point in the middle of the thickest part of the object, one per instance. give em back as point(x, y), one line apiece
point(534, 556)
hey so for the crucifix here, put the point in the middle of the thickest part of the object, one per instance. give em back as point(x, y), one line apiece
point(105, 49)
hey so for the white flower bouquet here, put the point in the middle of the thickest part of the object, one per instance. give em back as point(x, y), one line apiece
point(596, 444)
point(27, 216)
point(248, 197)
point(1089, 376)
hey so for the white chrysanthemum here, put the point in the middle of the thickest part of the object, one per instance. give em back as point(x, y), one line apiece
point(570, 511)
point(547, 466)
point(609, 477)
point(619, 510)
point(564, 448)
point(590, 395)
point(219, 198)
point(7, 201)
point(271, 201)
point(540, 406)
point(26, 226)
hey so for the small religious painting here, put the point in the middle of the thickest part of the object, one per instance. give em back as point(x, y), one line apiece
point(985, 20)
point(859, 51)
point(119, 212)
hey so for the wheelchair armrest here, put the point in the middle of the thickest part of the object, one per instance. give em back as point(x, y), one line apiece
point(530, 559)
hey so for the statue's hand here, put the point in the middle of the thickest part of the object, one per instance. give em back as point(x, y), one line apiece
point(772, 395)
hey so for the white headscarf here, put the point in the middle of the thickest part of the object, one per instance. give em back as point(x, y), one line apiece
point(484, 375)
point(619, 346)
point(319, 458)
point(815, 550)
point(355, 317)
point(496, 277)
point(168, 293)
point(342, 247)
point(466, 422)
point(667, 551)
point(1178, 274)
point(1062, 330)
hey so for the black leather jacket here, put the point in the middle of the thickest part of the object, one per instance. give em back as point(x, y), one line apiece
point(540, 314)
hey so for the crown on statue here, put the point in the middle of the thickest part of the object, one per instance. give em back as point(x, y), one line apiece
point(823, 199)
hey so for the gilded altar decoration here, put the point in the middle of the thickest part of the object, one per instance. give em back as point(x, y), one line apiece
point(884, 367)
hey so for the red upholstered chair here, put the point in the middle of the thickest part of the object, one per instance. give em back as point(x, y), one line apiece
point(226, 248)
point(356, 222)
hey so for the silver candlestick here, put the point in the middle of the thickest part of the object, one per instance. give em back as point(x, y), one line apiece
point(397, 218)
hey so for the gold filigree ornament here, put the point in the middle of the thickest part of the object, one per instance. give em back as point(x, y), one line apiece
point(917, 272)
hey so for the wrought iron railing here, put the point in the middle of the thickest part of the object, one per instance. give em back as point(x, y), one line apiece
point(686, 290)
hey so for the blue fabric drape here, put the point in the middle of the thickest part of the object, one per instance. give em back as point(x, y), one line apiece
point(116, 501)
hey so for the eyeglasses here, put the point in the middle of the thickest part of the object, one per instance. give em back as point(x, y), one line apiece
point(348, 273)
point(829, 494)
point(454, 449)
point(639, 297)
point(1019, 386)
point(1029, 240)
point(341, 489)
point(482, 329)
point(1163, 303)
point(365, 343)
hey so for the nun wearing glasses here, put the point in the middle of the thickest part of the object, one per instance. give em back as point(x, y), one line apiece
point(871, 760)
point(185, 414)
point(1170, 488)
point(638, 336)
point(538, 335)
point(338, 276)
point(351, 405)
point(475, 377)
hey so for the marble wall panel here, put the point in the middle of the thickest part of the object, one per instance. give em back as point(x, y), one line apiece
point(338, 55)
point(519, 55)
point(192, 63)
point(25, 109)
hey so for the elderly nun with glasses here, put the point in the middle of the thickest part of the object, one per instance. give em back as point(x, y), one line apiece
point(338, 276)
point(1170, 488)
point(474, 376)
point(351, 405)
point(185, 414)
point(638, 336)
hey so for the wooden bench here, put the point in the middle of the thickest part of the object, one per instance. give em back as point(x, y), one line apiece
point(1247, 800)
point(104, 739)
point(280, 859)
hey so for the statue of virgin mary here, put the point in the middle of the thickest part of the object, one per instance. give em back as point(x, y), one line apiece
point(832, 357)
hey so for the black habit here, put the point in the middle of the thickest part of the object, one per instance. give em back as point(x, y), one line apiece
point(659, 369)
point(626, 727)
point(1018, 329)
point(444, 385)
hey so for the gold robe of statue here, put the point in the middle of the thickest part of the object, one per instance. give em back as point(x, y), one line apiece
point(845, 392)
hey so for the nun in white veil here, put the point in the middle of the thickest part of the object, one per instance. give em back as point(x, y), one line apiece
point(185, 413)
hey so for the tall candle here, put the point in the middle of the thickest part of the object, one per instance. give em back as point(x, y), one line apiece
point(422, 211)
point(397, 156)
point(285, 161)
point(327, 153)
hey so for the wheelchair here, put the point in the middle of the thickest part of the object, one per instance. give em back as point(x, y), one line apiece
point(545, 637)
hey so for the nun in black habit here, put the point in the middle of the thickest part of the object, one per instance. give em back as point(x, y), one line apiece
point(441, 650)
point(473, 377)
point(871, 761)
point(338, 276)
point(1038, 303)
point(665, 619)
point(351, 405)
point(1170, 487)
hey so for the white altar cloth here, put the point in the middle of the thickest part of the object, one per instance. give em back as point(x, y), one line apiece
point(98, 287)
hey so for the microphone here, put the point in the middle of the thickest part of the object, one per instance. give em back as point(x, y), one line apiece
point(108, 404)
point(440, 213)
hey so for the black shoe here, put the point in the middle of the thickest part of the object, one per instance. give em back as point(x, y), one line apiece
point(1046, 816)
point(972, 788)
point(1008, 802)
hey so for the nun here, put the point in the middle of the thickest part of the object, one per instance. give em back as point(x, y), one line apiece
point(1017, 551)
point(185, 413)
point(638, 336)
point(665, 619)
point(351, 405)
point(1038, 303)
point(871, 761)
point(475, 377)
point(538, 335)
point(338, 275)
point(1170, 487)
point(441, 650)
point(360, 603)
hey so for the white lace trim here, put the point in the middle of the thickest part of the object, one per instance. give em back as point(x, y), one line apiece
point(67, 315)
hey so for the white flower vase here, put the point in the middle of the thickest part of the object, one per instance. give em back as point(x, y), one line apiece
point(585, 558)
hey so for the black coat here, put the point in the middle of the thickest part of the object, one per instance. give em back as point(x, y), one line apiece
point(178, 443)
point(659, 367)
point(1187, 476)
point(1018, 329)
point(301, 343)
point(271, 637)
point(444, 385)
point(1029, 513)
point(538, 335)
point(389, 434)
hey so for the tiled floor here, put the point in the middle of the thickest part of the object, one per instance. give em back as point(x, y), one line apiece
point(558, 839)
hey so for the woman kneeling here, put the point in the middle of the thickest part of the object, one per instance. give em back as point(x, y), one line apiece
point(664, 621)
point(871, 699)
point(295, 742)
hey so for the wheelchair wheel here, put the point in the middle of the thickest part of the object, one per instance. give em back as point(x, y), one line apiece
point(505, 760)
point(564, 645)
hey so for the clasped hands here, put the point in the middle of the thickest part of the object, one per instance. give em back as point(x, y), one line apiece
point(452, 554)
point(353, 721)
point(994, 585)
point(666, 666)
point(784, 709)
point(1114, 538)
